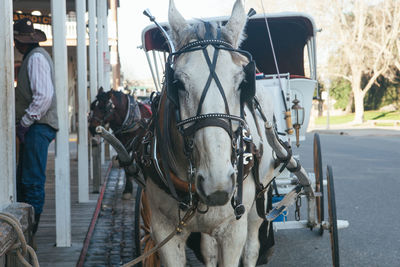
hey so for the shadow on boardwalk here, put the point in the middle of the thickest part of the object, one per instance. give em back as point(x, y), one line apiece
point(81, 214)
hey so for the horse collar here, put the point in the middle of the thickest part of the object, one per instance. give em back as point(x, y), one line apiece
point(131, 118)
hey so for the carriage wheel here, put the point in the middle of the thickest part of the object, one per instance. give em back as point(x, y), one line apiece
point(333, 230)
point(143, 240)
point(319, 181)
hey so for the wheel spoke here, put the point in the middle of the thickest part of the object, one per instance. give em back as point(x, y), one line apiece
point(318, 180)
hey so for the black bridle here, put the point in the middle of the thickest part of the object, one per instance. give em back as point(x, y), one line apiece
point(130, 122)
point(108, 110)
point(222, 120)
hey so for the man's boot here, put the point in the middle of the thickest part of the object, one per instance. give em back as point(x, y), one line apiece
point(34, 230)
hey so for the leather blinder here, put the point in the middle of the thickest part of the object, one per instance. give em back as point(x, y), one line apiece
point(172, 86)
point(248, 85)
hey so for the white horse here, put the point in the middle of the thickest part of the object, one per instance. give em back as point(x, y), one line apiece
point(225, 240)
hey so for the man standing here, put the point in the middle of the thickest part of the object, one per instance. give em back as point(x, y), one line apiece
point(36, 115)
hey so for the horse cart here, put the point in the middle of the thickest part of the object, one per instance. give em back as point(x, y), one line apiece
point(287, 76)
point(292, 79)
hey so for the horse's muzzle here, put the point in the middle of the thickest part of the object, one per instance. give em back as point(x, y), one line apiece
point(216, 198)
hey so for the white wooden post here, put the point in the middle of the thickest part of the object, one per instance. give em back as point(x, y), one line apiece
point(106, 48)
point(100, 57)
point(100, 42)
point(7, 107)
point(83, 160)
point(62, 160)
point(92, 69)
point(107, 79)
point(92, 49)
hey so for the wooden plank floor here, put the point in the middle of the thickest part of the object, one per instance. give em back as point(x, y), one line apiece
point(81, 213)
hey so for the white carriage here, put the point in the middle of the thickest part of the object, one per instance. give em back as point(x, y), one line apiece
point(289, 74)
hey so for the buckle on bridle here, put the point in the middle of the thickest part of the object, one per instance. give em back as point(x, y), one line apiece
point(239, 211)
point(191, 172)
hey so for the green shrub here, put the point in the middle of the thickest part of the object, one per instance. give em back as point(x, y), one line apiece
point(340, 91)
point(384, 92)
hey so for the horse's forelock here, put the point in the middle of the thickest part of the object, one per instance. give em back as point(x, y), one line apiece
point(105, 96)
point(196, 31)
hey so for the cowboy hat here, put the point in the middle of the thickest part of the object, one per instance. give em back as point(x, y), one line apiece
point(25, 33)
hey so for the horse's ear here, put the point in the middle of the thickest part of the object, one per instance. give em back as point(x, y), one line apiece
point(101, 90)
point(234, 28)
point(176, 21)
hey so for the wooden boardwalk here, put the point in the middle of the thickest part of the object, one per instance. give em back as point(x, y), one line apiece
point(112, 242)
point(49, 255)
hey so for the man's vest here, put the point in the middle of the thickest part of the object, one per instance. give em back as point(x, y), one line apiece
point(23, 92)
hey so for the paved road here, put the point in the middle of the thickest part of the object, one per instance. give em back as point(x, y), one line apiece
point(366, 165)
point(366, 168)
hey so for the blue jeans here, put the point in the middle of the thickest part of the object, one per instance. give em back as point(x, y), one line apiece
point(31, 171)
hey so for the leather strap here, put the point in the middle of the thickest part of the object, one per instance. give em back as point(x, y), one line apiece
point(206, 123)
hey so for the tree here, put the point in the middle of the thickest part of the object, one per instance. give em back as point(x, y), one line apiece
point(358, 39)
point(368, 38)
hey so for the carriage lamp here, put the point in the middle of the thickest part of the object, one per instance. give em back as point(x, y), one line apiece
point(298, 118)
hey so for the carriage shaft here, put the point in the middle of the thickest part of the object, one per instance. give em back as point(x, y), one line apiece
point(290, 225)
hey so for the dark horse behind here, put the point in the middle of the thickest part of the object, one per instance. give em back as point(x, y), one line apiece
point(127, 118)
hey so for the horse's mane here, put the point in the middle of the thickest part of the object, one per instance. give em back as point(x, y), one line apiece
point(104, 96)
point(118, 95)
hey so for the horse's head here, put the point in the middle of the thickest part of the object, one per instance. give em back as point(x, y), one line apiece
point(108, 108)
point(206, 79)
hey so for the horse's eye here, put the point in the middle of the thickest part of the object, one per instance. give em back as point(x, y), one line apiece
point(178, 84)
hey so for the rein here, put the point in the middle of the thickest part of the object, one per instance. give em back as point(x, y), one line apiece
point(179, 228)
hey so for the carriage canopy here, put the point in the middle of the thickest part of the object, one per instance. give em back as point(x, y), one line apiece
point(290, 33)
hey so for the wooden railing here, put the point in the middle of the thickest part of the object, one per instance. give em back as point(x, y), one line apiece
point(8, 237)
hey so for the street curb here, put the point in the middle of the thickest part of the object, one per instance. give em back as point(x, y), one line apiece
point(358, 131)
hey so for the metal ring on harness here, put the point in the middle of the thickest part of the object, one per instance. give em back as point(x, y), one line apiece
point(297, 168)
